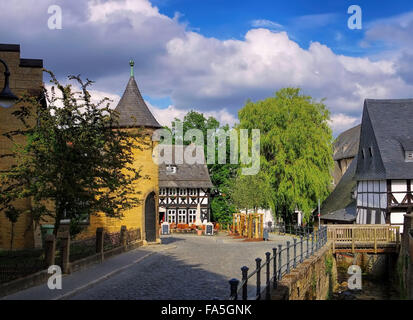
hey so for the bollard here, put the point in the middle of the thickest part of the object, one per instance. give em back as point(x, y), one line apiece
point(295, 254)
point(245, 281)
point(123, 237)
point(280, 262)
point(258, 261)
point(301, 246)
point(288, 257)
point(50, 249)
point(274, 251)
point(233, 283)
point(267, 288)
point(65, 251)
point(100, 234)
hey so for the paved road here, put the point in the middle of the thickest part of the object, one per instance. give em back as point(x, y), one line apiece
point(184, 267)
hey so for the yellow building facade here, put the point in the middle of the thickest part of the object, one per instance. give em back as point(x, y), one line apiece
point(27, 76)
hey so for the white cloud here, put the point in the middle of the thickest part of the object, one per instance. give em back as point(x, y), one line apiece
point(264, 23)
point(341, 122)
point(166, 116)
point(203, 73)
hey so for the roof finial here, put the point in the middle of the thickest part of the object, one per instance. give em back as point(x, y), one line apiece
point(131, 63)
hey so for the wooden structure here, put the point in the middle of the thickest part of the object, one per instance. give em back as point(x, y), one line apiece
point(249, 225)
point(364, 238)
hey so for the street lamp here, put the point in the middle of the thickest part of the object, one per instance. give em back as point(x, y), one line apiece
point(7, 97)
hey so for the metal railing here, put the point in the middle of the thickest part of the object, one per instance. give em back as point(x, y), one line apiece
point(282, 261)
point(292, 229)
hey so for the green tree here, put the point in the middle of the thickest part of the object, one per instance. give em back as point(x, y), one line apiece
point(296, 148)
point(250, 191)
point(221, 174)
point(75, 160)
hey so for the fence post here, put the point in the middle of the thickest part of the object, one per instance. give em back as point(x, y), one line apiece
point(274, 250)
point(245, 281)
point(317, 240)
point(100, 234)
point(233, 283)
point(308, 247)
point(301, 247)
point(50, 249)
point(268, 260)
point(295, 253)
point(288, 257)
point(65, 251)
point(123, 237)
point(258, 261)
point(312, 243)
point(280, 271)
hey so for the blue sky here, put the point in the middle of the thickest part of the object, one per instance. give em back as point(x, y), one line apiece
point(305, 21)
point(213, 55)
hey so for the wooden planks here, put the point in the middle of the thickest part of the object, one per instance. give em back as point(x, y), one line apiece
point(371, 238)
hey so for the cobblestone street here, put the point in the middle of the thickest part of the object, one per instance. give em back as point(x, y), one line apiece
point(184, 267)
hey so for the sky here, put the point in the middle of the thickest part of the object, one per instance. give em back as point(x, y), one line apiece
point(214, 55)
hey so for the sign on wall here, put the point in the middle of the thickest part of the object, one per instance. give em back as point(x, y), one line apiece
point(165, 228)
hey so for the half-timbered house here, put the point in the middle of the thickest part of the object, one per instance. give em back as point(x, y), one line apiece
point(184, 189)
point(384, 170)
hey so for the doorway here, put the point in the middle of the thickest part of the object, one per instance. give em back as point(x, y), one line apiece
point(150, 218)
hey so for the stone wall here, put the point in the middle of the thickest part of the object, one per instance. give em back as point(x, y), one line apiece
point(404, 271)
point(314, 279)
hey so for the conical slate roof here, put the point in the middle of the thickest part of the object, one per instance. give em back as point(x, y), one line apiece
point(133, 111)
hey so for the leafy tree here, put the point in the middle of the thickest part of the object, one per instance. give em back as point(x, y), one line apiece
point(75, 160)
point(250, 191)
point(221, 174)
point(296, 148)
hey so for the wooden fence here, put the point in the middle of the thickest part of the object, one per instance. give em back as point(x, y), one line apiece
point(364, 238)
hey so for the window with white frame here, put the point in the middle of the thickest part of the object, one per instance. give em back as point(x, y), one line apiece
point(171, 216)
point(182, 191)
point(162, 192)
point(182, 216)
point(172, 191)
point(192, 191)
point(191, 216)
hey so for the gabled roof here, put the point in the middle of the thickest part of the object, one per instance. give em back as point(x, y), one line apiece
point(386, 131)
point(133, 111)
point(339, 204)
point(347, 144)
point(187, 175)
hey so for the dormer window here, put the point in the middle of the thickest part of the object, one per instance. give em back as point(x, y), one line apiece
point(170, 169)
point(362, 153)
point(371, 151)
point(409, 156)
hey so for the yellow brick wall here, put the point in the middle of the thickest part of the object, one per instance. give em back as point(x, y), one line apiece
point(21, 79)
point(134, 218)
point(26, 236)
